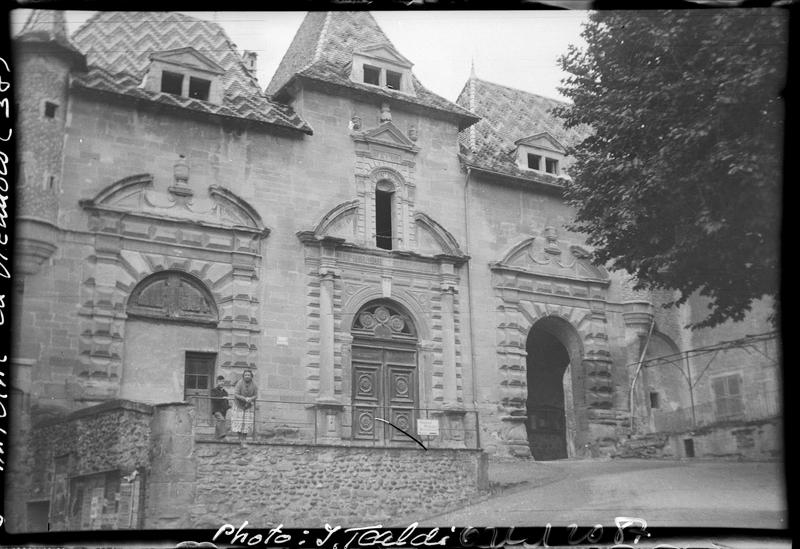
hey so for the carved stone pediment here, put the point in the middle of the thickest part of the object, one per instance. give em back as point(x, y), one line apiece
point(547, 256)
point(189, 58)
point(341, 224)
point(434, 239)
point(386, 53)
point(543, 140)
point(220, 207)
point(388, 135)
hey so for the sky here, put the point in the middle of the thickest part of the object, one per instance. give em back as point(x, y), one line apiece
point(513, 48)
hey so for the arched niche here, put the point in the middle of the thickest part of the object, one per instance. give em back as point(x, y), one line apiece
point(173, 296)
point(663, 395)
point(172, 344)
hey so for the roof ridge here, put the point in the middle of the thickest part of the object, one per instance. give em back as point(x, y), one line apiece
point(321, 39)
point(471, 100)
point(514, 88)
point(38, 18)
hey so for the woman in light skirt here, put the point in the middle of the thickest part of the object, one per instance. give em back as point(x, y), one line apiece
point(244, 402)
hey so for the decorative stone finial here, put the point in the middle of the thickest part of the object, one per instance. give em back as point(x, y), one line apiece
point(355, 123)
point(551, 238)
point(386, 113)
point(181, 173)
point(412, 133)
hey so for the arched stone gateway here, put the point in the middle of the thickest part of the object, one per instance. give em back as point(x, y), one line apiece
point(385, 376)
point(552, 347)
point(551, 304)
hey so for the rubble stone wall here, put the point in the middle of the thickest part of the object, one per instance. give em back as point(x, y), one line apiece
point(296, 485)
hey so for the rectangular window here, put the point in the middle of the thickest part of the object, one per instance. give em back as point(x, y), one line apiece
point(534, 161)
point(372, 75)
point(50, 109)
point(654, 403)
point(551, 166)
point(171, 82)
point(728, 397)
point(199, 88)
point(393, 80)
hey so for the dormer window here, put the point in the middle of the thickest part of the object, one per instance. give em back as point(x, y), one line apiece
point(380, 65)
point(199, 88)
point(171, 82)
point(372, 75)
point(185, 72)
point(542, 153)
point(393, 80)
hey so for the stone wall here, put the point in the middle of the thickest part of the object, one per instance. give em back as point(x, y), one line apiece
point(751, 440)
point(113, 435)
point(110, 437)
point(311, 485)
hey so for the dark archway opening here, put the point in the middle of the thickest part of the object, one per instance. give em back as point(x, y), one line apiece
point(547, 363)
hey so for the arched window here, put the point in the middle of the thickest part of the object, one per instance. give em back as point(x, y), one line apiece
point(173, 296)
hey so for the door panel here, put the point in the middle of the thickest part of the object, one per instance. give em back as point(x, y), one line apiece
point(198, 381)
point(384, 386)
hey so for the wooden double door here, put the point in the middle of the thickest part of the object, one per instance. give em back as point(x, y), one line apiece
point(384, 387)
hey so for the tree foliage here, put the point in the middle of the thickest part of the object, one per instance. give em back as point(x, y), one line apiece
point(679, 182)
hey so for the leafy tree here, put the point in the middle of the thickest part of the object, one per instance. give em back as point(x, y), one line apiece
point(679, 181)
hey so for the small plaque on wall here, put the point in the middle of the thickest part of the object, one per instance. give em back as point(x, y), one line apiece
point(428, 427)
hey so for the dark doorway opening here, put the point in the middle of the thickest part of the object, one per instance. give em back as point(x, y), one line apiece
point(688, 447)
point(547, 363)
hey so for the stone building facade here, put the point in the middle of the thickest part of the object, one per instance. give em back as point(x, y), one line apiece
point(370, 250)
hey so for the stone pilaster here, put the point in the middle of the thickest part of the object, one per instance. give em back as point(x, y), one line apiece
point(328, 407)
point(449, 288)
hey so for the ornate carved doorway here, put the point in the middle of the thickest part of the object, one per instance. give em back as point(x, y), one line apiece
point(547, 364)
point(384, 360)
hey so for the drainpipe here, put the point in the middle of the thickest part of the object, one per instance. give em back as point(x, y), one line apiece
point(639, 368)
point(691, 389)
point(470, 307)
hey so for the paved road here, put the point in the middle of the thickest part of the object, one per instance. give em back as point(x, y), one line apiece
point(665, 493)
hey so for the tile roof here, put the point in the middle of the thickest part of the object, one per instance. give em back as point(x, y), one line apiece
point(509, 115)
point(323, 49)
point(118, 45)
point(48, 28)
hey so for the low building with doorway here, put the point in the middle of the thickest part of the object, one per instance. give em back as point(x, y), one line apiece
point(391, 265)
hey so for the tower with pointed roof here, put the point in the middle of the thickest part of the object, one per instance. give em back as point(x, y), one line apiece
point(45, 60)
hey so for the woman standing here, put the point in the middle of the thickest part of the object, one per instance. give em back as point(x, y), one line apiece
point(244, 397)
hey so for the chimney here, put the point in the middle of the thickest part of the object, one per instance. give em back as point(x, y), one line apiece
point(250, 59)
